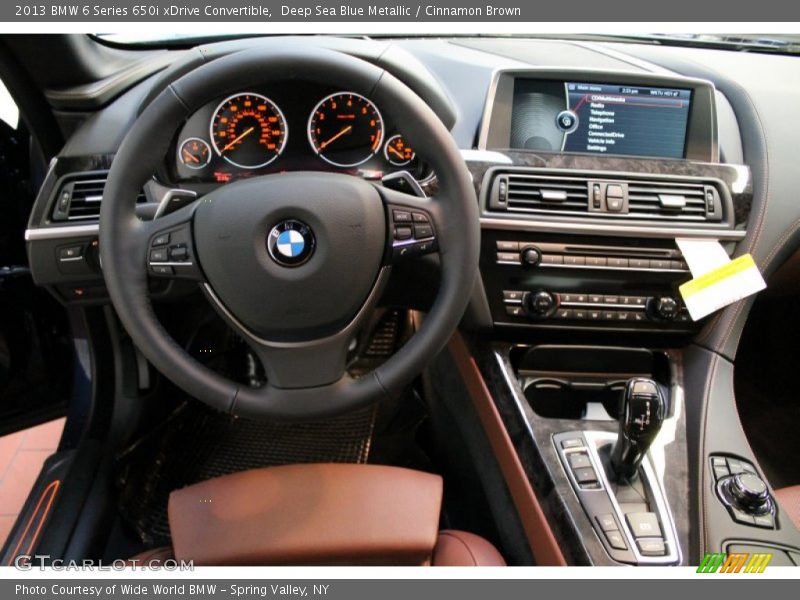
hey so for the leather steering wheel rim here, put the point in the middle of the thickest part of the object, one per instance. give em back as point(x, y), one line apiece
point(124, 238)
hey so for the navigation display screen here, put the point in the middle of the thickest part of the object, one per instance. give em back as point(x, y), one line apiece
point(600, 118)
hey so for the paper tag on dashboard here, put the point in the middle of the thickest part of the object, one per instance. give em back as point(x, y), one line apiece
point(702, 255)
point(719, 287)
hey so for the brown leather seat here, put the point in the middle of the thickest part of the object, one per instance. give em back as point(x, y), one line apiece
point(789, 499)
point(318, 514)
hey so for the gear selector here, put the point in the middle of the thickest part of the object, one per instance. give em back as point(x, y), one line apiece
point(642, 412)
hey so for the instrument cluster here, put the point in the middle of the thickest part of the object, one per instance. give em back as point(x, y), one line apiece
point(288, 127)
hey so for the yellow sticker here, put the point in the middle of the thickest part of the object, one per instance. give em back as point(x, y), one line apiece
point(734, 267)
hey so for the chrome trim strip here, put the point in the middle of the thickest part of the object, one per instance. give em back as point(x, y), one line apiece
point(171, 264)
point(68, 231)
point(606, 229)
point(601, 268)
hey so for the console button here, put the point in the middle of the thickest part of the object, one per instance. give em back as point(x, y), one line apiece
point(678, 265)
point(615, 540)
point(614, 190)
point(572, 443)
point(596, 261)
point(659, 264)
point(624, 315)
point(651, 547)
point(736, 466)
point(552, 259)
point(563, 313)
point(638, 263)
point(609, 315)
point(594, 315)
point(512, 296)
point(611, 299)
point(515, 311)
point(720, 471)
point(162, 270)
point(585, 475)
point(613, 204)
point(766, 521)
point(574, 260)
point(638, 316)
point(618, 263)
point(579, 315)
point(643, 524)
point(595, 298)
point(508, 246)
point(607, 522)
point(70, 253)
point(579, 460)
point(401, 216)
point(508, 257)
point(531, 256)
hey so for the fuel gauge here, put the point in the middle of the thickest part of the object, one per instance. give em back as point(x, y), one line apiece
point(397, 152)
point(194, 153)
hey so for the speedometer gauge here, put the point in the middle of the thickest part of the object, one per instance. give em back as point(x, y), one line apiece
point(248, 130)
point(345, 129)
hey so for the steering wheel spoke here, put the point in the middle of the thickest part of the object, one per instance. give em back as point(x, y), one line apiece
point(412, 223)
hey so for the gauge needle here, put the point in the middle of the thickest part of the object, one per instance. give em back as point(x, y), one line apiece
point(327, 143)
point(191, 157)
point(230, 144)
point(397, 152)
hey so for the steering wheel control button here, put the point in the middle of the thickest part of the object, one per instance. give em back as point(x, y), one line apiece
point(178, 253)
point(413, 233)
point(162, 270)
point(161, 240)
point(291, 243)
point(159, 255)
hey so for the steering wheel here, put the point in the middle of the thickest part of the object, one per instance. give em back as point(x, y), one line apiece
point(297, 298)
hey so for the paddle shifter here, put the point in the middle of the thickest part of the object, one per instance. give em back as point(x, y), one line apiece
point(641, 413)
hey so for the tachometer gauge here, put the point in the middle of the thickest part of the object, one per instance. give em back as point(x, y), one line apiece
point(397, 152)
point(345, 129)
point(194, 153)
point(248, 130)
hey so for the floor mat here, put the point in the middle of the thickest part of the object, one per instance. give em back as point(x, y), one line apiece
point(196, 444)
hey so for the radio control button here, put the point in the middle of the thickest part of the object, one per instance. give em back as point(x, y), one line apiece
point(552, 259)
point(574, 260)
point(595, 299)
point(507, 246)
point(596, 261)
point(611, 299)
point(616, 262)
point(639, 263)
point(659, 264)
point(508, 257)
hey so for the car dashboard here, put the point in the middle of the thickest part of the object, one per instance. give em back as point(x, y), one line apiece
point(589, 161)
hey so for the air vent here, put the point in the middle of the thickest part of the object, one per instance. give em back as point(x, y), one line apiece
point(673, 201)
point(618, 198)
point(545, 194)
point(79, 197)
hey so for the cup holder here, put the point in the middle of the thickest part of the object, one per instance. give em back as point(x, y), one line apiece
point(582, 382)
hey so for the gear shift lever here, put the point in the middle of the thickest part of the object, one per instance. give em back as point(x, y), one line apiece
point(641, 413)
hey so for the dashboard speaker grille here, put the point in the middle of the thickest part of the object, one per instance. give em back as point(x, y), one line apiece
point(79, 196)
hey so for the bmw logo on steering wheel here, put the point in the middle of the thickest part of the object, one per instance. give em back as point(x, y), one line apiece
point(291, 243)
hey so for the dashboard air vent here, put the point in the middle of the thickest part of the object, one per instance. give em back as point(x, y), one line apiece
point(626, 198)
point(542, 193)
point(79, 197)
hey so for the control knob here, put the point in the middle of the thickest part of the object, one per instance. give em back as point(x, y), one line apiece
point(664, 308)
point(748, 492)
point(540, 304)
point(530, 256)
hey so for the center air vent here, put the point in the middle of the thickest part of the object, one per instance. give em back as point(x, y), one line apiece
point(652, 199)
point(79, 197)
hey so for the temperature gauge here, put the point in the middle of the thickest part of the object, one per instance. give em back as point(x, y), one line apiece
point(194, 153)
point(397, 152)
